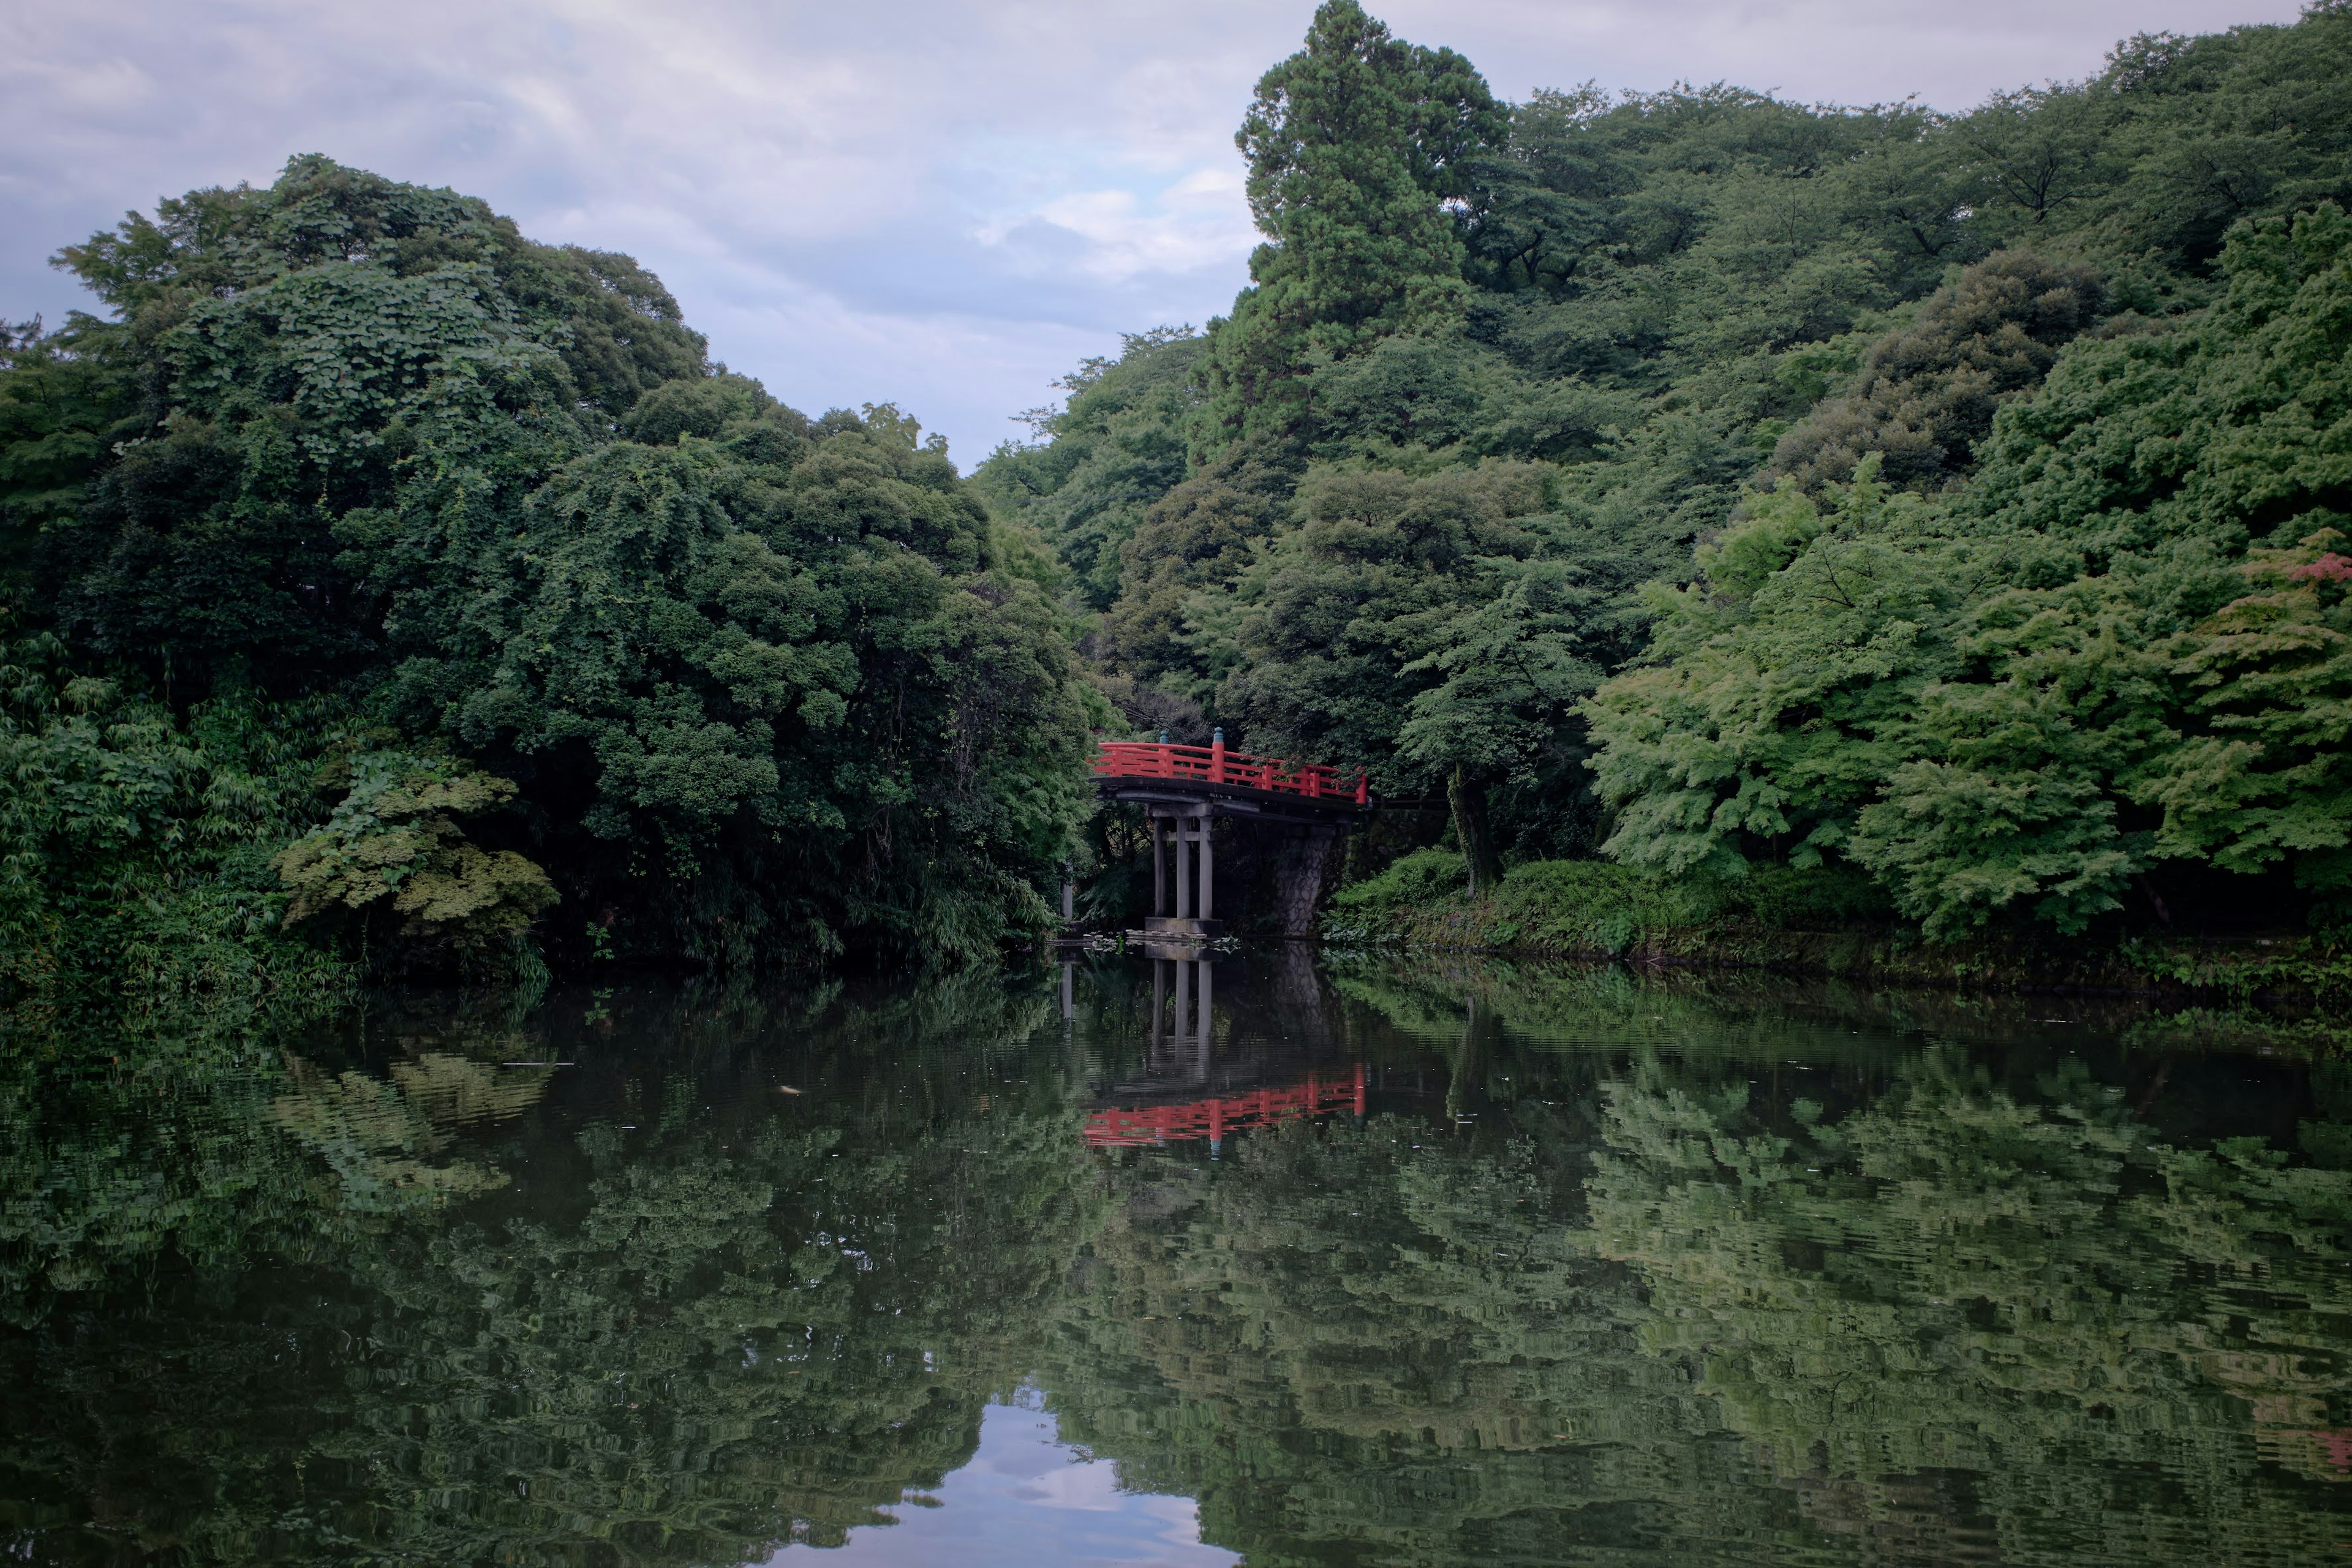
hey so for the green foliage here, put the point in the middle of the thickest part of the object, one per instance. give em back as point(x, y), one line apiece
point(1589, 907)
point(1353, 144)
point(801, 693)
point(1172, 623)
point(361, 441)
point(1849, 389)
point(2033, 692)
point(62, 402)
point(1115, 448)
point(2266, 778)
point(300, 359)
point(1925, 394)
point(1759, 709)
point(394, 836)
point(1413, 880)
point(134, 848)
point(1345, 605)
point(1592, 907)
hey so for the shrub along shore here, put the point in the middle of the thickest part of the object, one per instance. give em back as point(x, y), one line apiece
point(1816, 923)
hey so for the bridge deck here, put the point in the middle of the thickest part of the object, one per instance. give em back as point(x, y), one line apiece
point(1261, 786)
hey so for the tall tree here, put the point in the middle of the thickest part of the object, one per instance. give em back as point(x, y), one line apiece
point(1356, 146)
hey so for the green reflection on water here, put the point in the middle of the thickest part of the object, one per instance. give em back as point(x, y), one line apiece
point(1609, 1271)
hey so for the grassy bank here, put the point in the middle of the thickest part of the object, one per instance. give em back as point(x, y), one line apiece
point(1823, 923)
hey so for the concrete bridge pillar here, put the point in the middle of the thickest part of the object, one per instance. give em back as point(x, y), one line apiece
point(1201, 825)
point(1184, 865)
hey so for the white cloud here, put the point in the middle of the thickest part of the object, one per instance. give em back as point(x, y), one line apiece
point(1190, 224)
point(946, 204)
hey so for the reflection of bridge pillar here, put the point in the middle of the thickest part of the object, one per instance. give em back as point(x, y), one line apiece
point(1158, 999)
point(1069, 1002)
point(1207, 1018)
point(1183, 997)
point(1208, 989)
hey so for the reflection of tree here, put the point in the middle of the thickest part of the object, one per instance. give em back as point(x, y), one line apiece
point(2097, 1328)
point(386, 1143)
point(109, 1174)
point(1648, 1303)
point(1936, 1318)
point(1351, 1349)
point(729, 1348)
point(729, 1328)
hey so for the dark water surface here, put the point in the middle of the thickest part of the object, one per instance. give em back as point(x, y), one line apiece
point(1388, 1264)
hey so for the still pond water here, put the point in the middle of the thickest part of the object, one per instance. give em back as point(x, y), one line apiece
point(1274, 1261)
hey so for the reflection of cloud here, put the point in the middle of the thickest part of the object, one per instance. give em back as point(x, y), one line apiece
point(941, 204)
point(1073, 1484)
point(1026, 1497)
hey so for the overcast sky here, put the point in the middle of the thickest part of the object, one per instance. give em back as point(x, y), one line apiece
point(943, 204)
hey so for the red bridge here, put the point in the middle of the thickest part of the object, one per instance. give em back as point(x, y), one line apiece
point(1213, 766)
point(1213, 1118)
point(1181, 789)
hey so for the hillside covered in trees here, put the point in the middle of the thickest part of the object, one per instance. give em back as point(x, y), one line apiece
point(1943, 504)
point(1946, 511)
point(379, 584)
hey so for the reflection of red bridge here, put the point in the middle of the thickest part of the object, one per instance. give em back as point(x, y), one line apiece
point(1213, 1118)
point(2336, 1446)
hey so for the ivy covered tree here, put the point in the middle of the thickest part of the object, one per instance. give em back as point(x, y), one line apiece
point(765, 687)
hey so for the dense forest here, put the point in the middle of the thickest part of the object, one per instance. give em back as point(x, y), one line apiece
point(1944, 507)
point(376, 572)
point(1944, 504)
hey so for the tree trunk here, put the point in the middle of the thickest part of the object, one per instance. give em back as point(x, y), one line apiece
point(1299, 873)
point(1465, 1086)
point(1468, 798)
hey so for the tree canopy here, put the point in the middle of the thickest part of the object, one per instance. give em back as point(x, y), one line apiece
point(442, 509)
point(1713, 481)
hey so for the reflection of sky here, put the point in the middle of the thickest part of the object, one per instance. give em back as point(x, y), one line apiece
point(1029, 1499)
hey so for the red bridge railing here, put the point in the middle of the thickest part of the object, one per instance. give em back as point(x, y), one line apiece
point(1215, 765)
point(1213, 1118)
